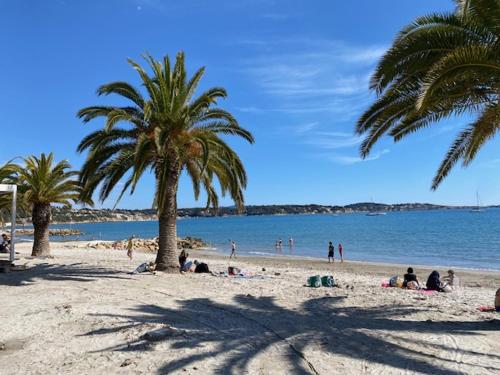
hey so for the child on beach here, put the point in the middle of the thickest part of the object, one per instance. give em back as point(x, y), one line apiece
point(130, 245)
point(331, 254)
point(451, 280)
point(233, 250)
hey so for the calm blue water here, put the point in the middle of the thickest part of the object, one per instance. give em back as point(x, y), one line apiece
point(452, 238)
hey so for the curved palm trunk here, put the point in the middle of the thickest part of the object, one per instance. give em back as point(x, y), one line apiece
point(166, 259)
point(40, 217)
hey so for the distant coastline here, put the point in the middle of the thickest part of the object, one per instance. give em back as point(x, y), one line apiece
point(88, 215)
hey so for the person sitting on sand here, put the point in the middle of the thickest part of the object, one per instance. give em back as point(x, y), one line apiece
point(497, 300)
point(201, 267)
point(5, 244)
point(451, 280)
point(187, 266)
point(433, 282)
point(331, 254)
point(182, 259)
point(410, 279)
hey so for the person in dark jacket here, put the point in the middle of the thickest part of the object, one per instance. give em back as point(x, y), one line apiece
point(201, 267)
point(433, 282)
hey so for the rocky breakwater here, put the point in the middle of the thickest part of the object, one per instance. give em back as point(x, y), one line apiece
point(150, 244)
point(52, 232)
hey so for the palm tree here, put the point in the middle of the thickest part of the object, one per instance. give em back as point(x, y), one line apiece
point(40, 184)
point(168, 132)
point(439, 66)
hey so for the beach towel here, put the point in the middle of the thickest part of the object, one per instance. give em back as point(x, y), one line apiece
point(487, 308)
point(385, 284)
point(427, 292)
point(314, 281)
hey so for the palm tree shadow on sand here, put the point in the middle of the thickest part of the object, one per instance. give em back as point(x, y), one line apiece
point(240, 331)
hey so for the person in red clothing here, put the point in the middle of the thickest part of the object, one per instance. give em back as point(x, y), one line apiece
point(341, 252)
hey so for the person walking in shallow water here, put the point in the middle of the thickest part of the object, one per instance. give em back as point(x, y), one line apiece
point(233, 250)
point(331, 255)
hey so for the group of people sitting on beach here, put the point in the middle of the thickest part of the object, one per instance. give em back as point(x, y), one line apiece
point(186, 265)
point(434, 282)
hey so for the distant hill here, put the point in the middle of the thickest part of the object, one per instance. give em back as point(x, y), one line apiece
point(65, 215)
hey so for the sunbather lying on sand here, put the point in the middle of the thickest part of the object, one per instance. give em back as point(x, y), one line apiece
point(145, 267)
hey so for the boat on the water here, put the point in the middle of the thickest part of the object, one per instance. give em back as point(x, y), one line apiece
point(478, 208)
point(374, 212)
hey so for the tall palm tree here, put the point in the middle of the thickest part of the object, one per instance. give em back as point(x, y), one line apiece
point(40, 184)
point(439, 66)
point(167, 132)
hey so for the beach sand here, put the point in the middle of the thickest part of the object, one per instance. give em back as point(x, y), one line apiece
point(81, 313)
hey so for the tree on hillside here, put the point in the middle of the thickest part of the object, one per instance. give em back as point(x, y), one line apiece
point(167, 132)
point(42, 183)
point(439, 66)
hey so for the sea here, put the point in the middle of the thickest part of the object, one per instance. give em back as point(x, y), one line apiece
point(449, 238)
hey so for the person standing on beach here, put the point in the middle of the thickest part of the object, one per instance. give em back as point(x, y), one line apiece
point(341, 253)
point(233, 250)
point(331, 255)
point(130, 245)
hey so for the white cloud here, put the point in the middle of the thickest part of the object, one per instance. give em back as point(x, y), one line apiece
point(350, 160)
point(319, 76)
point(334, 142)
point(304, 128)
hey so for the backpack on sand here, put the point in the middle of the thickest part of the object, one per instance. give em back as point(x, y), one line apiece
point(314, 281)
point(328, 281)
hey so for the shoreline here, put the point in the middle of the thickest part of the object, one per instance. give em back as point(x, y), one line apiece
point(381, 269)
point(298, 258)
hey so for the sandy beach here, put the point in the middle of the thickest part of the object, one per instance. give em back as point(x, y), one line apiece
point(80, 312)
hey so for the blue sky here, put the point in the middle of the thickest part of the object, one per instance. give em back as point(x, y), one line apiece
point(296, 73)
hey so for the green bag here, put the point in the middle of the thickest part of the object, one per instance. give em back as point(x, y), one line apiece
point(328, 281)
point(314, 281)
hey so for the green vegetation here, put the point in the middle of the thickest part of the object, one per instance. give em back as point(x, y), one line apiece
point(40, 184)
point(440, 65)
point(65, 215)
point(169, 132)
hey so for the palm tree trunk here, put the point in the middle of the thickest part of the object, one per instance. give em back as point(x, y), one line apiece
point(40, 217)
point(166, 258)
